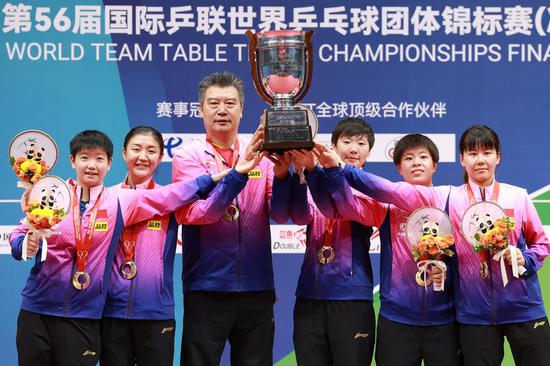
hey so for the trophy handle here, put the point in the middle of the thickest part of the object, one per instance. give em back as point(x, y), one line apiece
point(254, 66)
point(309, 68)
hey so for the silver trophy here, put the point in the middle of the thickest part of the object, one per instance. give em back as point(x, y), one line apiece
point(281, 63)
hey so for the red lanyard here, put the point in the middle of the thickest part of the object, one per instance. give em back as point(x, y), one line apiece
point(83, 246)
point(494, 196)
point(219, 159)
point(130, 233)
point(328, 235)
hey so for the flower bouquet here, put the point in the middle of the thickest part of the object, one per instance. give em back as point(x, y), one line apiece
point(32, 154)
point(48, 204)
point(487, 228)
point(429, 229)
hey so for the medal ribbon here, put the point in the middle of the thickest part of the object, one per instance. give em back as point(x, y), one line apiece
point(130, 233)
point(83, 246)
point(219, 162)
point(328, 235)
point(219, 159)
point(494, 196)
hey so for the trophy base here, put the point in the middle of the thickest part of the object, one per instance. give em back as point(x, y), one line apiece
point(287, 129)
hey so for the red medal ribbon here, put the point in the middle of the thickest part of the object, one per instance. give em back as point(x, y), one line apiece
point(328, 235)
point(220, 160)
point(494, 196)
point(130, 233)
point(83, 246)
point(326, 253)
point(232, 211)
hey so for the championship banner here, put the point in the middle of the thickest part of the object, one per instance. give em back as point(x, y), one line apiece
point(435, 68)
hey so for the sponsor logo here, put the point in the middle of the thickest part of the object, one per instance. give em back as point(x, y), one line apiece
point(154, 225)
point(361, 335)
point(89, 353)
point(5, 231)
point(390, 147)
point(255, 173)
point(167, 330)
point(101, 226)
point(539, 324)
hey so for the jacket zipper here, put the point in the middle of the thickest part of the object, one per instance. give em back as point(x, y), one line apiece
point(130, 298)
point(69, 294)
point(239, 247)
point(423, 307)
point(318, 281)
point(493, 321)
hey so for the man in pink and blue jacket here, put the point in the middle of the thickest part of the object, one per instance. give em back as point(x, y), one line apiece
point(227, 270)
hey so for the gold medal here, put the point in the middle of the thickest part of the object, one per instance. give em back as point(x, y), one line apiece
point(77, 277)
point(483, 269)
point(128, 270)
point(325, 254)
point(231, 213)
point(421, 279)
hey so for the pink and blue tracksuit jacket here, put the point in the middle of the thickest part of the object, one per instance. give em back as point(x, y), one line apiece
point(349, 275)
point(220, 255)
point(478, 301)
point(150, 294)
point(49, 288)
point(402, 299)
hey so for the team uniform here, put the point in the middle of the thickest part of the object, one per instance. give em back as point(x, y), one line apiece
point(486, 310)
point(333, 316)
point(227, 270)
point(419, 322)
point(138, 318)
point(58, 323)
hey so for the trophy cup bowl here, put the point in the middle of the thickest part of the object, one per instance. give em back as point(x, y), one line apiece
point(281, 63)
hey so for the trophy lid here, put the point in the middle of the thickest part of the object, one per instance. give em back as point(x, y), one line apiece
point(280, 38)
point(280, 33)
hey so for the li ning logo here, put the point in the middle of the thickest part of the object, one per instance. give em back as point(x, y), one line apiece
point(89, 353)
point(154, 225)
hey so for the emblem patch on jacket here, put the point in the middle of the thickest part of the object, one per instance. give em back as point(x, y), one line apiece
point(154, 225)
point(255, 173)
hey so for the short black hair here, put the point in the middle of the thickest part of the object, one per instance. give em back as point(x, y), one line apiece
point(224, 79)
point(91, 139)
point(414, 140)
point(145, 130)
point(353, 126)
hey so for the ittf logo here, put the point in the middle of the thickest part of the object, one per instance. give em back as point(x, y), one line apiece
point(153, 225)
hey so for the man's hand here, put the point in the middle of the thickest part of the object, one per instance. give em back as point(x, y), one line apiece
point(252, 155)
